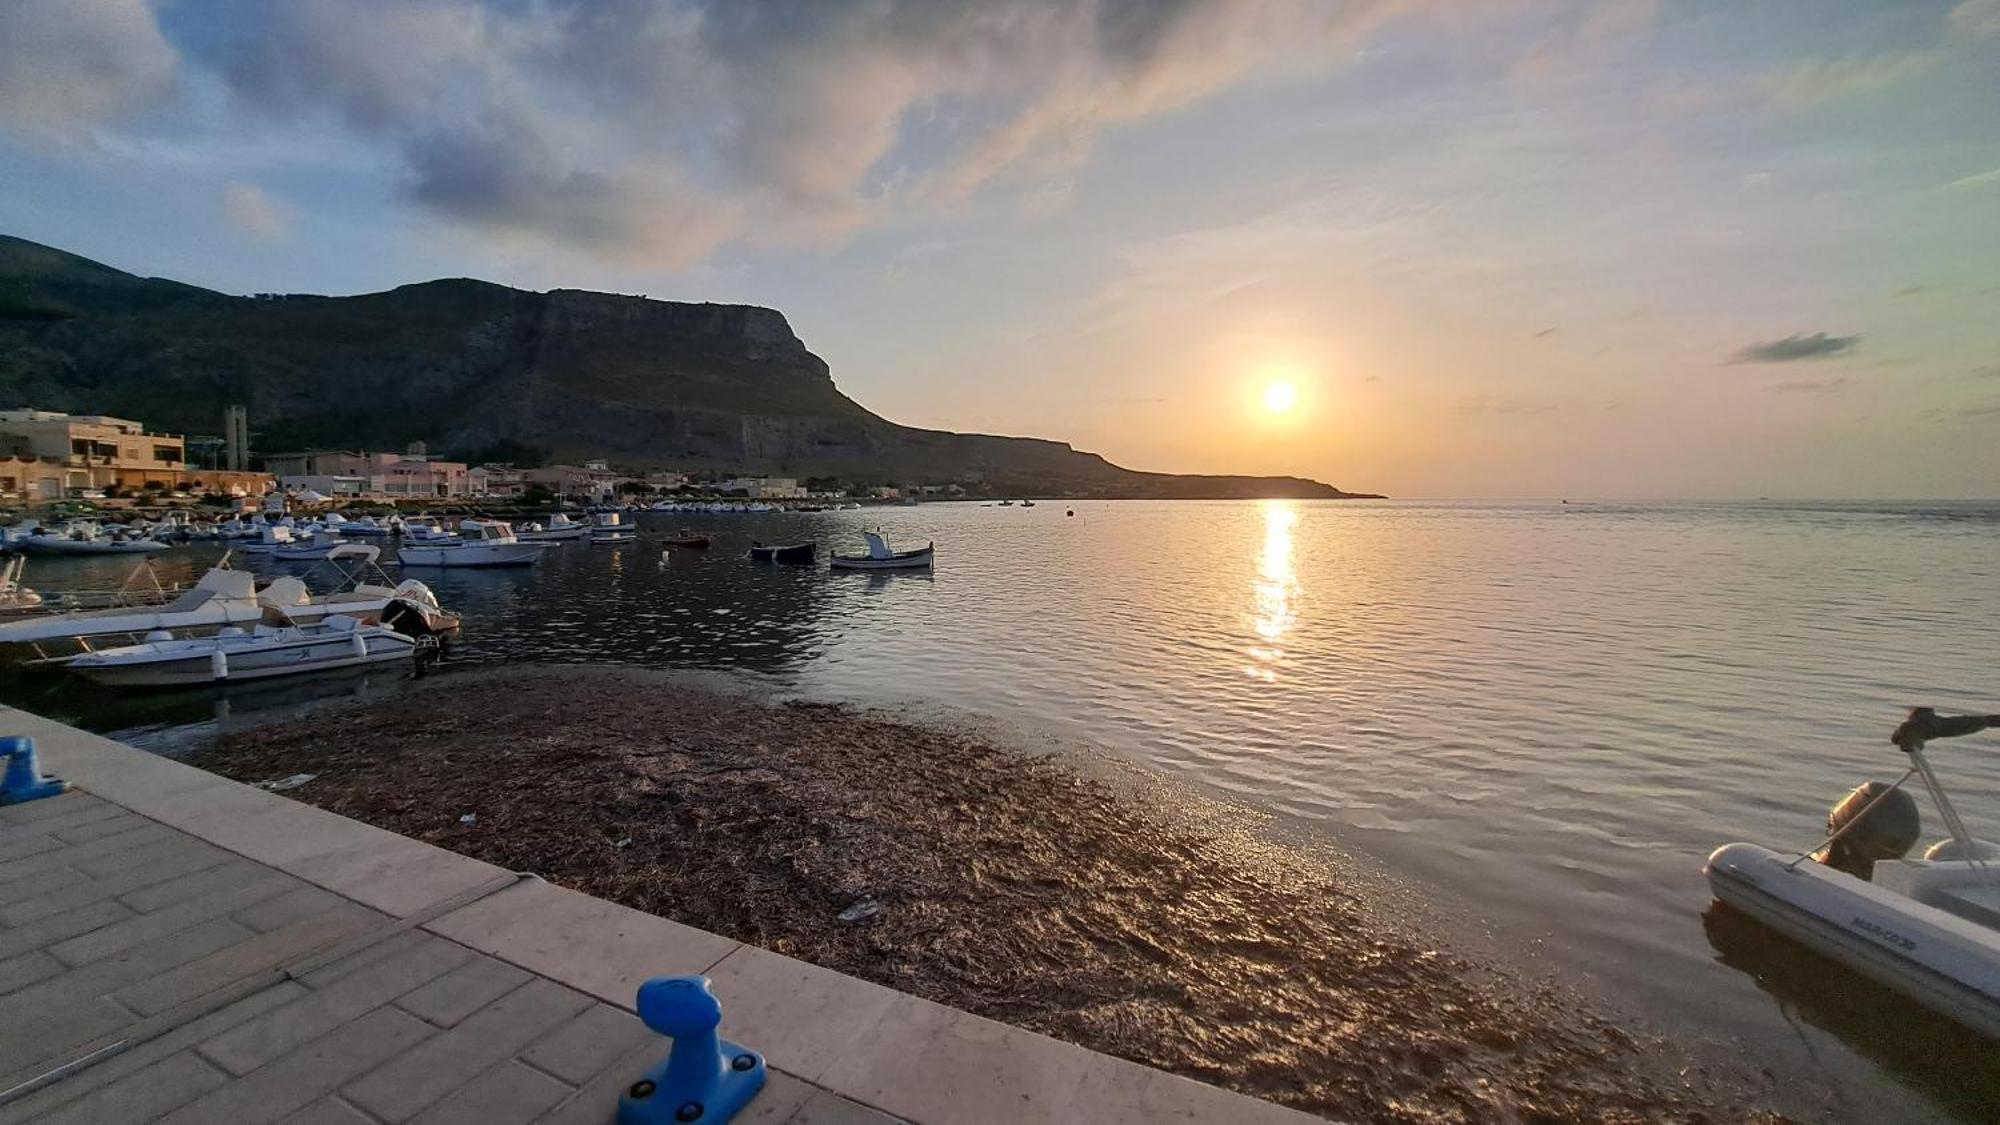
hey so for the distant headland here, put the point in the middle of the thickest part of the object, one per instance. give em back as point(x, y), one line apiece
point(484, 370)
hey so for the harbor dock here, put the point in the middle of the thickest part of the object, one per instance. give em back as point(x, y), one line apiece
point(176, 946)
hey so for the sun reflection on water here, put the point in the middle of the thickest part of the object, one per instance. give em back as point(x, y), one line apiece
point(1273, 591)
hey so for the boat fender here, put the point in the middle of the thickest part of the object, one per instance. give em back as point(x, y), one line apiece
point(157, 636)
point(1874, 822)
point(360, 646)
point(218, 664)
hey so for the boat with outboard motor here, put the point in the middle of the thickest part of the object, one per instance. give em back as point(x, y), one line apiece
point(481, 543)
point(225, 597)
point(276, 646)
point(1928, 928)
point(880, 557)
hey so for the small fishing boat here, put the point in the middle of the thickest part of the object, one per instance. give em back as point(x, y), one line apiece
point(880, 557)
point(276, 646)
point(686, 539)
point(1027, 503)
point(479, 543)
point(559, 528)
point(1928, 928)
point(611, 527)
point(793, 553)
point(366, 527)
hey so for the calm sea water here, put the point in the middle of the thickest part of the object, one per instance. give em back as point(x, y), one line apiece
point(1544, 715)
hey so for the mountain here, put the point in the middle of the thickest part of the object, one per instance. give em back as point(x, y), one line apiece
point(468, 365)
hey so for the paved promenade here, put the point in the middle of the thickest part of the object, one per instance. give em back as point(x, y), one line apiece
point(178, 947)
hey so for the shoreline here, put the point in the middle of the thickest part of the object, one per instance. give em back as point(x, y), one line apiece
point(1167, 929)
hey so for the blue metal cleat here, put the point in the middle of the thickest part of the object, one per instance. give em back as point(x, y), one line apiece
point(705, 1078)
point(23, 780)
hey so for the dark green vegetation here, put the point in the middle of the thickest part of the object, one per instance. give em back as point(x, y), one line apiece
point(471, 366)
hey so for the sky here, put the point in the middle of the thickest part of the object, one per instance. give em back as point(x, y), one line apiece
point(1497, 248)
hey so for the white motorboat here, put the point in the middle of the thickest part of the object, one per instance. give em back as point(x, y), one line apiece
point(612, 527)
point(221, 597)
point(1928, 928)
point(116, 541)
point(276, 646)
point(559, 528)
point(485, 543)
point(880, 557)
point(366, 527)
point(429, 534)
point(358, 589)
point(270, 537)
point(311, 549)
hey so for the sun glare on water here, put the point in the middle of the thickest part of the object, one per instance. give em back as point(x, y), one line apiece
point(1280, 398)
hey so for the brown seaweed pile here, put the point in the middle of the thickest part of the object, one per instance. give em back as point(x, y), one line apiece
point(981, 877)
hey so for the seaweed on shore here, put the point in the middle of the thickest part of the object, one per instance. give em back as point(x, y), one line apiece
point(977, 876)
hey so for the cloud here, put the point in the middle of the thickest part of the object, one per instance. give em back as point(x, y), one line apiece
point(1975, 19)
point(255, 213)
point(68, 66)
point(661, 129)
point(1811, 386)
point(1977, 179)
point(1817, 82)
point(1819, 345)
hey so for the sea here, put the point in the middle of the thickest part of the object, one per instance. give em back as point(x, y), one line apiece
point(1539, 717)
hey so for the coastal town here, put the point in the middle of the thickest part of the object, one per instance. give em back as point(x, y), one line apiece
point(52, 457)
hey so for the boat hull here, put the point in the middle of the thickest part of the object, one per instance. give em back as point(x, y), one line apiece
point(51, 545)
point(552, 535)
point(472, 554)
point(908, 560)
point(1946, 963)
point(198, 667)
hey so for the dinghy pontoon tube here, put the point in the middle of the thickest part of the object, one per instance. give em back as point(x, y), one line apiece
point(1928, 928)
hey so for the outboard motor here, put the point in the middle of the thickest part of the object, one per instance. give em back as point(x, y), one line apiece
point(1887, 830)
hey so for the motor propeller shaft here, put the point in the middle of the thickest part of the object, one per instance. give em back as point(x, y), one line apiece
point(1924, 724)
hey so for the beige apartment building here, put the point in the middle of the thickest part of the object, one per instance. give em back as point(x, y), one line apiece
point(49, 455)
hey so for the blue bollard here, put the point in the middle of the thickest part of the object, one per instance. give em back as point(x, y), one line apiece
point(705, 1078)
point(23, 780)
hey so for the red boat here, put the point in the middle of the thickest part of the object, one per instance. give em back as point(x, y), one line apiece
point(688, 540)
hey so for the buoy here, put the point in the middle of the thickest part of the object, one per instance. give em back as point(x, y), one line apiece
point(22, 779)
point(705, 1078)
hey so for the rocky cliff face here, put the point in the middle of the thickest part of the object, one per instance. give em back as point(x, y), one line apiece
point(464, 364)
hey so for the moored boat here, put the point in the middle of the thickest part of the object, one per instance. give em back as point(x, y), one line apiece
point(789, 553)
point(117, 541)
point(612, 527)
point(559, 528)
point(686, 539)
point(1928, 928)
point(880, 557)
point(276, 646)
point(480, 543)
point(312, 548)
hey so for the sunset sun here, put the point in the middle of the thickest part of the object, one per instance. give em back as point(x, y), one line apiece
point(1280, 398)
